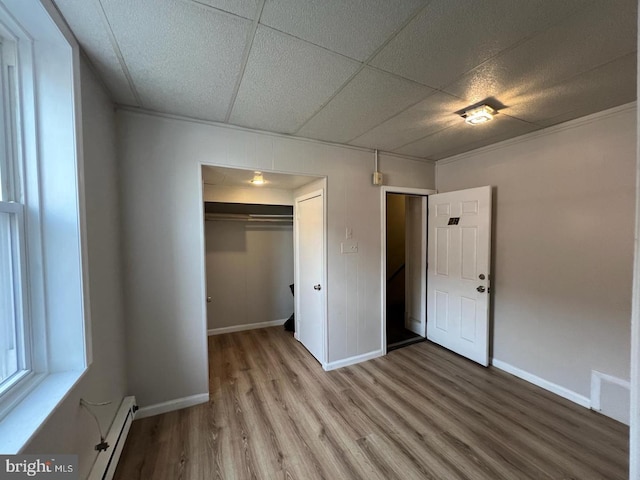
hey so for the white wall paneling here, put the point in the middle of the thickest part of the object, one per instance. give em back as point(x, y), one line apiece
point(164, 251)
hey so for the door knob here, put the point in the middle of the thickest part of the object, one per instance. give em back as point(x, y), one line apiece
point(317, 287)
point(208, 299)
point(481, 289)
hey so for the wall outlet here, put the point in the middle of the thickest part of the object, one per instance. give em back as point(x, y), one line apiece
point(349, 247)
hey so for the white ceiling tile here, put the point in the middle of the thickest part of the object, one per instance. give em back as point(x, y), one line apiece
point(601, 88)
point(212, 176)
point(234, 177)
point(546, 61)
point(462, 137)
point(580, 43)
point(86, 20)
point(368, 100)
point(184, 58)
point(434, 113)
point(450, 37)
point(286, 80)
point(243, 8)
point(354, 28)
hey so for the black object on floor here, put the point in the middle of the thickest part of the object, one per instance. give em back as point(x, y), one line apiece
point(290, 324)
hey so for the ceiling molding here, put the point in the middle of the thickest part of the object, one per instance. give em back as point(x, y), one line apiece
point(170, 116)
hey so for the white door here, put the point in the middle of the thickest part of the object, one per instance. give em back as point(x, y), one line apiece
point(309, 283)
point(459, 237)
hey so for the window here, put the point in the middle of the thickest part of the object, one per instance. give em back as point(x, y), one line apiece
point(44, 314)
point(15, 361)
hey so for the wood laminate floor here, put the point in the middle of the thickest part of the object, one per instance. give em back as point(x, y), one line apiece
point(421, 412)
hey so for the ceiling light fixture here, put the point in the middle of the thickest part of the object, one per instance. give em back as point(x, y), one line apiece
point(478, 115)
point(258, 179)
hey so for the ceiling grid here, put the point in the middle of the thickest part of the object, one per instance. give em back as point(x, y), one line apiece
point(245, 59)
point(381, 74)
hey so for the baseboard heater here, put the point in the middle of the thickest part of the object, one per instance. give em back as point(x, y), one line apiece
point(105, 465)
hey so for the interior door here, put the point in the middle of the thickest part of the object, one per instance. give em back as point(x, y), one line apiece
point(309, 286)
point(458, 274)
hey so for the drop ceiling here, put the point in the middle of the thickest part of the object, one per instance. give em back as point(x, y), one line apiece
point(380, 74)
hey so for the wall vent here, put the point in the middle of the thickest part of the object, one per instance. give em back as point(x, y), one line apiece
point(610, 396)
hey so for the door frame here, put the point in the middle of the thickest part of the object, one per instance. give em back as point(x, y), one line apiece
point(296, 269)
point(423, 192)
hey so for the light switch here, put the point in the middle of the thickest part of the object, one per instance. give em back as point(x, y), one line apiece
point(348, 234)
point(349, 247)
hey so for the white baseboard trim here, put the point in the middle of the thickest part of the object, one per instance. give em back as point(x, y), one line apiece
point(171, 405)
point(413, 324)
point(248, 326)
point(542, 383)
point(352, 360)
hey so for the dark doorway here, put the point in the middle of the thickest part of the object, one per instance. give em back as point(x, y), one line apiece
point(398, 335)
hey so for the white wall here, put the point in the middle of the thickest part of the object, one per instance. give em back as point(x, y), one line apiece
point(249, 270)
point(563, 245)
point(164, 244)
point(258, 195)
point(415, 302)
point(70, 429)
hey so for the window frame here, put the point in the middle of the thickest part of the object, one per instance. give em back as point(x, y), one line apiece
point(20, 305)
point(48, 174)
point(12, 204)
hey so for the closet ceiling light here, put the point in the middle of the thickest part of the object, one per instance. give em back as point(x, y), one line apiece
point(478, 115)
point(257, 178)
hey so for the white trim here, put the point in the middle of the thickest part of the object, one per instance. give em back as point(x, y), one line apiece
point(181, 118)
point(634, 413)
point(568, 125)
point(596, 387)
point(172, 405)
point(383, 252)
point(204, 319)
point(353, 360)
point(28, 417)
point(248, 326)
point(414, 324)
point(542, 383)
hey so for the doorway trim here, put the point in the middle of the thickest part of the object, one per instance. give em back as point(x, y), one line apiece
point(296, 269)
point(424, 192)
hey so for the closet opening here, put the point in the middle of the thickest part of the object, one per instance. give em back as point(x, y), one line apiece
point(249, 242)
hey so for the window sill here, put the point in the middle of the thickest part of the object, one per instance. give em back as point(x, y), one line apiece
point(26, 418)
